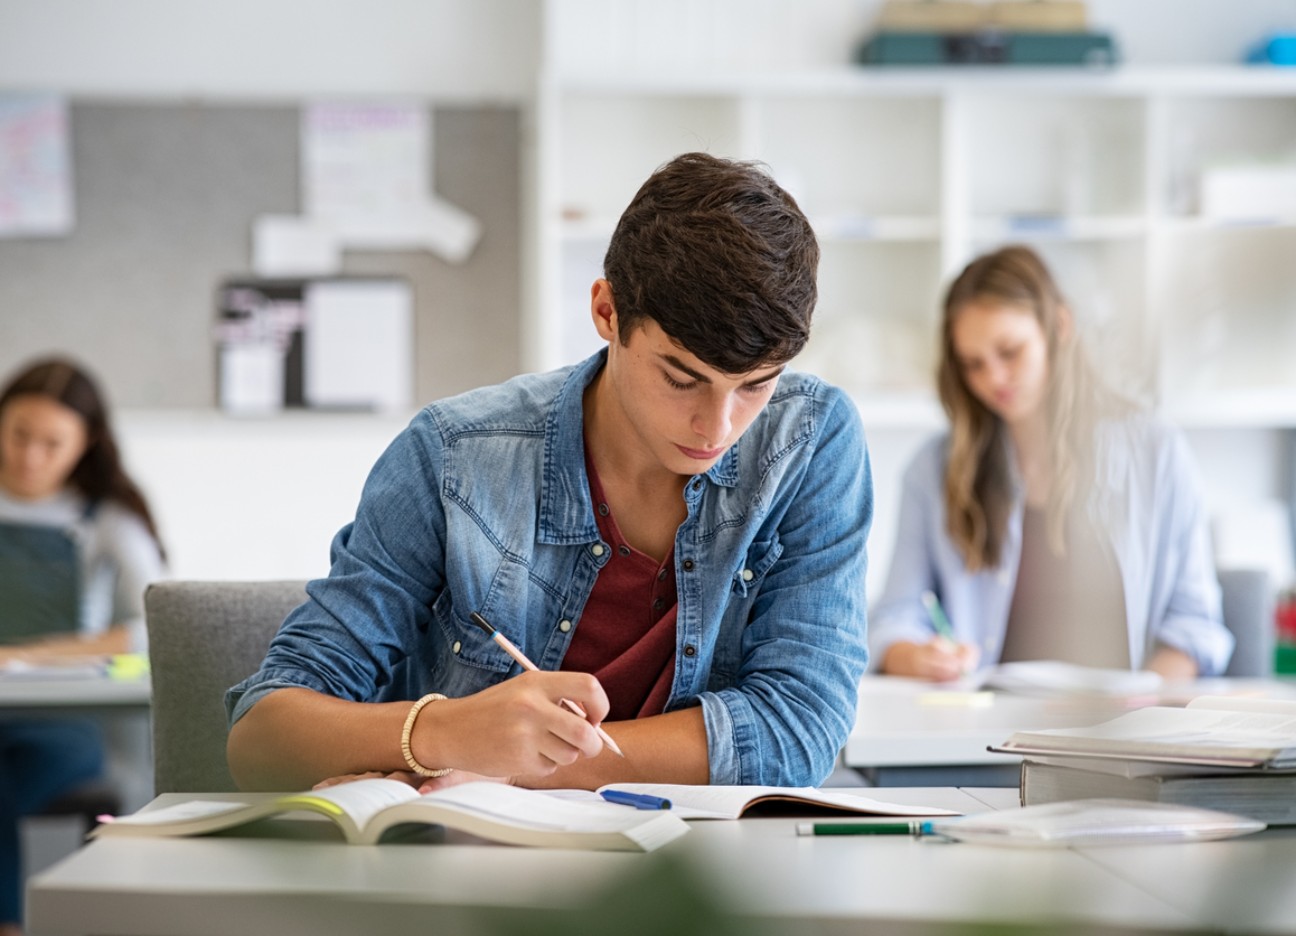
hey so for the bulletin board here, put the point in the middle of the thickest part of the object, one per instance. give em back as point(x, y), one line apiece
point(166, 195)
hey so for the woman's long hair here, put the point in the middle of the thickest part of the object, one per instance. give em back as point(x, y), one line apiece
point(979, 475)
point(99, 474)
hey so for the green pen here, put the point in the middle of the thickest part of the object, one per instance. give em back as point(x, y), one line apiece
point(937, 615)
point(865, 828)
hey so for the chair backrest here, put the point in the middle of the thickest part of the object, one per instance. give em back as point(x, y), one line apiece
point(203, 638)
point(1248, 599)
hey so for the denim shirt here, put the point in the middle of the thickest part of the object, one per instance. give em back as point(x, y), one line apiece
point(483, 504)
point(1147, 505)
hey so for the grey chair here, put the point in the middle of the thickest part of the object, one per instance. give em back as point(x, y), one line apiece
point(1249, 599)
point(203, 638)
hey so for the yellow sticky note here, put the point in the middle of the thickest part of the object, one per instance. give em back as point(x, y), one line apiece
point(128, 666)
point(979, 699)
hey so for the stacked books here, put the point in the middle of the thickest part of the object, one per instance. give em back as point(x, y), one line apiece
point(1225, 753)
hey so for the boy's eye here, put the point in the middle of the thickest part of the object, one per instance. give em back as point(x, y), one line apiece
point(678, 385)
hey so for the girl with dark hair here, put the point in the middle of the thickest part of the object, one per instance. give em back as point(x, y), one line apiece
point(1055, 520)
point(78, 545)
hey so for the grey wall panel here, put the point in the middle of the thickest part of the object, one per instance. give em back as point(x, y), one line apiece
point(165, 199)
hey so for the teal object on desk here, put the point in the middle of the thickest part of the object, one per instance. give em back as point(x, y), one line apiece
point(937, 615)
point(1275, 50)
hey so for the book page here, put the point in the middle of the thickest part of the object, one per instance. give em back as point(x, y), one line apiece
point(518, 816)
point(183, 812)
point(1054, 677)
point(1161, 731)
point(1244, 704)
point(352, 805)
point(531, 808)
point(729, 802)
point(1096, 822)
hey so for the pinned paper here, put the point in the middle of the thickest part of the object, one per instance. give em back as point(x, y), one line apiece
point(286, 245)
point(365, 185)
point(35, 166)
point(358, 347)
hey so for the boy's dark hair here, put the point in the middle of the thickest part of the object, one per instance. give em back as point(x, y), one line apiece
point(719, 256)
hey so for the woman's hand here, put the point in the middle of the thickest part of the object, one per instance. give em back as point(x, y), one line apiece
point(939, 660)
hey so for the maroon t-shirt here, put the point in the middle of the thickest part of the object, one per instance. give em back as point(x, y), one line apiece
point(626, 634)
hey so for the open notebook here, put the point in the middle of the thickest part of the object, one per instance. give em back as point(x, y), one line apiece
point(366, 810)
point(733, 802)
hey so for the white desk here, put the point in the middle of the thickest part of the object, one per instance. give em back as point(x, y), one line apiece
point(121, 706)
point(754, 869)
point(44, 695)
point(912, 732)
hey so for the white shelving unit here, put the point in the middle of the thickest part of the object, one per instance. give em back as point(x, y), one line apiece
point(907, 174)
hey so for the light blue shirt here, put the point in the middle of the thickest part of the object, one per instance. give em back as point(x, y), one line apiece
point(483, 504)
point(1146, 505)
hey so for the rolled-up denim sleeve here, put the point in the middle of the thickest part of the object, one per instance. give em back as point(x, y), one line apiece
point(804, 648)
point(358, 624)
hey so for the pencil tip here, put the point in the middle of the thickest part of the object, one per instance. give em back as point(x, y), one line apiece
point(481, 622)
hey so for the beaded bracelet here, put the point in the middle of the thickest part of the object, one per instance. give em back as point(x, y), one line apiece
point(414, 765)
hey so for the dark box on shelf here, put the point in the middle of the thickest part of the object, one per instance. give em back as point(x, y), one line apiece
point(988, 47)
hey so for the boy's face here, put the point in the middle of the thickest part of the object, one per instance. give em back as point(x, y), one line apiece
point(683, 414)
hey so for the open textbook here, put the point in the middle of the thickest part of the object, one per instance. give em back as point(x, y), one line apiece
point(1054, 677)
point(1222, 731)
point(733, 802)
point(366, 809)
point(1266, 795)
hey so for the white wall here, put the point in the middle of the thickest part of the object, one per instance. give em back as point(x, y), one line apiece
point(447, 49)
point(262, 499)
point(252, 498)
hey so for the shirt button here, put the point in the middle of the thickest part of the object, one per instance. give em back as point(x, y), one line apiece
point(603, 510)
point(688, 565)
point(697, 485)
point(748, 575)
point(661, 574)
point(597, 549)
point(564, 626)
point(623, 550)
point(690, 651)
point(457, 646)
point(659, 604)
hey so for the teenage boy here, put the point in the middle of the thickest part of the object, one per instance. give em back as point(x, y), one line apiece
point(673, 531)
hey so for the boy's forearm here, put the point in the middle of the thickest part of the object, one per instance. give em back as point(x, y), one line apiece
point(669, 748)
point(293, 738)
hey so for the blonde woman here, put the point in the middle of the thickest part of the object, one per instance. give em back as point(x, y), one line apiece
point(1055, 520)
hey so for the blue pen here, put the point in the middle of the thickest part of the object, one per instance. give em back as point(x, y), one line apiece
point(637, 800)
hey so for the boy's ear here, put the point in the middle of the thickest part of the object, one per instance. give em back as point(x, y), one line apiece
point(603, 310)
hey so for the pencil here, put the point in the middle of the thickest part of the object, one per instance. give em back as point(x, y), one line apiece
point(526, 664)
point(937, 615)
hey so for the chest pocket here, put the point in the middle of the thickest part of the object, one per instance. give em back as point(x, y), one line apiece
point(743, 590)
point(40, 582)
point(759, 559)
